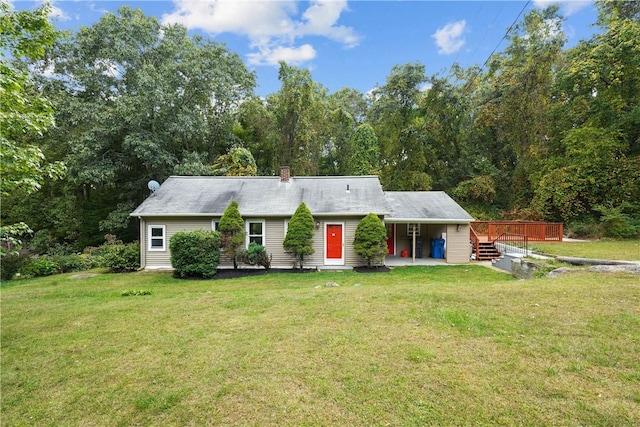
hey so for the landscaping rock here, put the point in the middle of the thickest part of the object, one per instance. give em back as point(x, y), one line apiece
point(628, 268)
point(331, 285)
point(559, 271)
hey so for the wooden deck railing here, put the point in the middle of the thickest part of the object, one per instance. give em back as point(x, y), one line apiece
point(475, 240)
point(535, 231)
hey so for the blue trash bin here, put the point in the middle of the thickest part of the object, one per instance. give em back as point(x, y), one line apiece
point(437, 248)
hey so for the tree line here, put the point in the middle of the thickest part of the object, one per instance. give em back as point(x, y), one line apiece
point(540, 132)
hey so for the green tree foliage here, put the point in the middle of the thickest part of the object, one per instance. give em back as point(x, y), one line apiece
point(395, 118)
point(299, 110)
point(299, 238)
point(364, 154)
point(195, 253)
point(589, 174)
point(517, 105)
point(25, 113)
point(370, 239)
point(232, 232)
point(135, 101)
point(256, 128)
point(237, 162)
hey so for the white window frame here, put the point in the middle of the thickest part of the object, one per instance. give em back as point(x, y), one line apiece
point(215, 223)
point(151, 237)
point(248, 223)
point(412, 227)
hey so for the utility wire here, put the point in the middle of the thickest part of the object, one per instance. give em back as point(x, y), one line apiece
point(470, 82)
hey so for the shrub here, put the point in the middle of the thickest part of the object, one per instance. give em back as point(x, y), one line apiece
point(232, 233)
point(255, 255)
point(135, 292)
point(371, 239)
point(195, 253)
point(120, 257)
point(73, 262)
point(11, 264)
point(616, 224)
point(299, 236)
point(40, 267)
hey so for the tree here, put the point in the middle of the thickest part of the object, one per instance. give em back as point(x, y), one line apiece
point(300, 115)
point(370, 241)
point(299, 236)
point(135, 100)
point(517, 101)
point(237, 162)
point(364, 155)
point(232, 232)
point(400, 131)
point(24, 112)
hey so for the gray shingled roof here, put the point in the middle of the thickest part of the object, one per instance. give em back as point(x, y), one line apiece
point(425, 206)
point(266, 196)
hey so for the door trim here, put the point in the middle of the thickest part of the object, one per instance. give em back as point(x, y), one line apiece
point(392, 226)
point(333, 261)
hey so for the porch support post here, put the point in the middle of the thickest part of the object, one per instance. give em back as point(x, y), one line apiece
point(413, 252)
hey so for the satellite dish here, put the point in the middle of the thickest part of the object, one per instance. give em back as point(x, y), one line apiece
point(153, 186)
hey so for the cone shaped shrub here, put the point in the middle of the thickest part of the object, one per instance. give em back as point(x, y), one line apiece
point(299, 236)
point(371, 239)
point(232, 232)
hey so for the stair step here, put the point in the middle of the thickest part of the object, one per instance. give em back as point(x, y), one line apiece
point(487, 251)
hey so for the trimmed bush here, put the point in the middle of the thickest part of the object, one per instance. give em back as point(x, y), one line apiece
point(299, 236)
point(232, 232)
point(195, 253)
point(121, 258)
point(371, 239)
point(255, 255)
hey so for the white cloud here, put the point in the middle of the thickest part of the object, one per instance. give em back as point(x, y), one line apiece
point(449, 38)
point(291, 55)
point(569, 7)
point(272, 27)
point(56, 12)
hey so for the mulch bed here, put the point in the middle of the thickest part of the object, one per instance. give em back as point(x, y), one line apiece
point(250, 272)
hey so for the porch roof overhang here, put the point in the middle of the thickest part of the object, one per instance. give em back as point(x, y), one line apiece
point(392, 220)
point(425, 207)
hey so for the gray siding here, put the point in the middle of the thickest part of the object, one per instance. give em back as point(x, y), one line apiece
point(162, 259)
point(274, 233)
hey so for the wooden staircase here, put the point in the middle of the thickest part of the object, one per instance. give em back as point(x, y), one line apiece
point(486, 251)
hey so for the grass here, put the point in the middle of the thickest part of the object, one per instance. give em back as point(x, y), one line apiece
point(627, 250)
point(446, 345)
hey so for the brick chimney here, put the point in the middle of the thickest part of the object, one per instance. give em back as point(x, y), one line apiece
point(285, 174)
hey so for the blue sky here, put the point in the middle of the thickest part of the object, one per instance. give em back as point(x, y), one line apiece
point(343, 43)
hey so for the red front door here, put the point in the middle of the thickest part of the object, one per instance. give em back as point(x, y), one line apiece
point(334, 241)
point(391, 239)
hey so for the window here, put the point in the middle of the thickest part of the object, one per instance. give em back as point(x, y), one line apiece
point(413, 229)
point(255, 232)
point(215, 224)
point(157, 237)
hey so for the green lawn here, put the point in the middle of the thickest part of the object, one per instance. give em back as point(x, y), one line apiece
point(446, 345)
point(628, 250)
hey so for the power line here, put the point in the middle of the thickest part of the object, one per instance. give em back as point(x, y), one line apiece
point(470, 82)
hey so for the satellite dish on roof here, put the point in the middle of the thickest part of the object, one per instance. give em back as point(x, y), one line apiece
point(153, 186)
